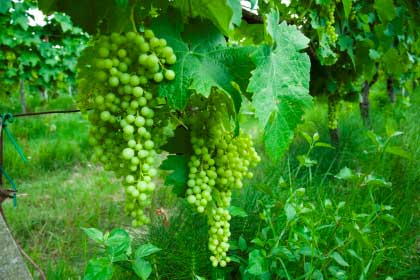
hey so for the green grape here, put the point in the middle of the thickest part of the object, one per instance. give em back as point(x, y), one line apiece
point(123, 67)
point(122, 53)
point(101, 76)
point(149, 34)
point(158, 77)
point(126, 126)
point(169, 75)
point(167, 52)
point(125, 78)
point(144, 47)
point(171, 59)
point(103, 52)
point(113, 81)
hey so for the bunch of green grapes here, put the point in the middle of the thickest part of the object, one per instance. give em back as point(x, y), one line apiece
point(127, 126)
point(219, 163)
point(330, 23)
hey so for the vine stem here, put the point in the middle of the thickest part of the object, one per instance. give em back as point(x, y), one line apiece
point(133, 23)
point(179, 121)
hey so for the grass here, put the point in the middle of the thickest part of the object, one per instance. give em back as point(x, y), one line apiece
point(51, 211)
point(60, 191)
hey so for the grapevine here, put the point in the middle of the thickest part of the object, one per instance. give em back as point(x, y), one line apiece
point(126, 129)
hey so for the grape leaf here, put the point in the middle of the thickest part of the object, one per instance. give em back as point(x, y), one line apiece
point(222, 13)
point(339, 259)
point(5, 5)
point(94, 234)
point(64, 21)
point(29, 58)
point(385, 9)
point(257, 265)
point(236, 211)
point(100, 268)
point(346, 44)
point(204, 62)
point(248, 34)
point(347, 4)
point(179, 143)
point(146, 250)
point(325, 54)
point(237, 12)
point(20, 19)
point(118, 242)
point(88, 14)
point(280, 84)
point(142, 268)
point(178, 178)
point(393, 62)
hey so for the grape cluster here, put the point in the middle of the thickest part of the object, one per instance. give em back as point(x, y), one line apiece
point(124, 110)
point(330, 23)
point(219, 163)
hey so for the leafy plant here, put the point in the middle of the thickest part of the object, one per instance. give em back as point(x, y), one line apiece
point(142, 78)
point(117, 252)
point(39, 58)
point(300, 237)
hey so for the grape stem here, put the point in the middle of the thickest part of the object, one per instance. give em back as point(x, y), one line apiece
point(178, 120)
point(133, 23)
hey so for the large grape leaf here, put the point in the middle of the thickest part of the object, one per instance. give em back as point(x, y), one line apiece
point(204, 62)
point(280, 84)
point(222, 13)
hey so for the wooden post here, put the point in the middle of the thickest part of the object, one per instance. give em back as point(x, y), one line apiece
point(365, 104)
point(22, 96)
point(12, 265)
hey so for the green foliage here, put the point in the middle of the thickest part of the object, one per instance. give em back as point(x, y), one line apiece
point(204, 62)
point(112, 16)
point(182, 238)
point(310, 235)
point(279, 103)
point(54, 196)
point(316, 240)
point(223, 14)
point(207, 63)
point(352, 41)
point(44, 57)
point(179, 177)
point(118, 252)
point(314, 235)
point(87, 14)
